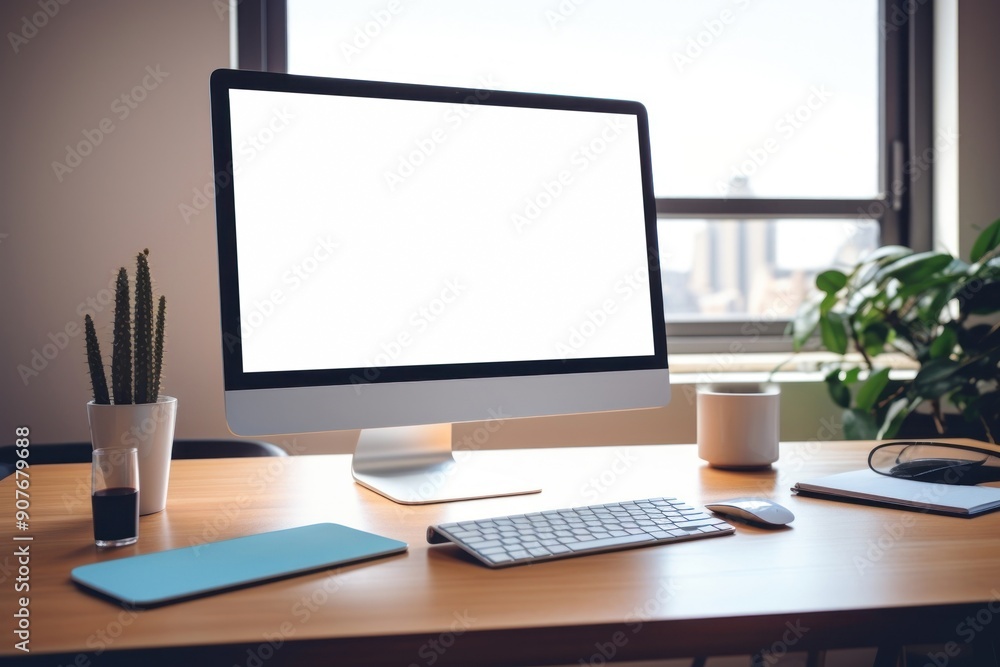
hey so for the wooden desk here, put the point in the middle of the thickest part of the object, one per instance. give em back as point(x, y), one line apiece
point(843, 575)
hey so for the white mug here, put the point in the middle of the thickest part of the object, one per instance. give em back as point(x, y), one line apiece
point(738, 424)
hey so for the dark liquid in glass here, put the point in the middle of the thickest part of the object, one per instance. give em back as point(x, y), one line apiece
point(116, 513)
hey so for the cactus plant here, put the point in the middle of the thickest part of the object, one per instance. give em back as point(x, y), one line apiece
point(97, 377)
point(161, 313)
point(143, 330)
point(137, 347)
point(121, 346)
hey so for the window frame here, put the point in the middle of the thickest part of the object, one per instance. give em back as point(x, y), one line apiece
point(902, 207)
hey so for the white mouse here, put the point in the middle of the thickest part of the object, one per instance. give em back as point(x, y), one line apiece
point(756, 510)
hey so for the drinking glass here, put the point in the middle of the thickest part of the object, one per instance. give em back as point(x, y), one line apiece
point(115, 496)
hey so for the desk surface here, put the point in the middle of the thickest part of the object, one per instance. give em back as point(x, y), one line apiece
point(842, 575)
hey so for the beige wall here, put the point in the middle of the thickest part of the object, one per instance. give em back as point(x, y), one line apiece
point(63, 235)
point(65, 238)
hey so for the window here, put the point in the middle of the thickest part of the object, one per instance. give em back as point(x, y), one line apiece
point(779, 129)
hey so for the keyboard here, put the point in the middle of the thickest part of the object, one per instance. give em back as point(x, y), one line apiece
point(528, 538)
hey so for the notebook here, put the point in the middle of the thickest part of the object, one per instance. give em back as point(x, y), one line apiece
point(167, 576)
point(869, 486)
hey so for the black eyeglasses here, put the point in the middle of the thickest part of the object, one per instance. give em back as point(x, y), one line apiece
point(940, 462)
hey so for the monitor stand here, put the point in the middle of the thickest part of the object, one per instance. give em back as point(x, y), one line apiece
point(415, 465)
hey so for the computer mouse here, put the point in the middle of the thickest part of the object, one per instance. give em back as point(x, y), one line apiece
point(760, 511)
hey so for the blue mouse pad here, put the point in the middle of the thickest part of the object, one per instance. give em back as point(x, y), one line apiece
point(166, 576)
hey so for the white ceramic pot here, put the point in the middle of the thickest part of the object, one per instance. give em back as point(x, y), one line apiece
point(149, 427)
point(738, 425)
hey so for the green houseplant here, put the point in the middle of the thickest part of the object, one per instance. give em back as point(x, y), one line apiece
point(933, 308)
point(133, 413)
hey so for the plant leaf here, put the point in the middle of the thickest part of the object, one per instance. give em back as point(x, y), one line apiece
point(937, 377)
point(833, 333)
point(859, 425)
point(983, 301)
point(860, 299)
point(944, 344)
point(919, 266)
point(989, 338)
point(986, 410)
point(958, 267)
point(831, 281)
point(975, 337)
point(872, 389)
point(894, 417)
point(887, 252)
point(874, 337)
point(987, 240)
point(805, 322)
point(948, 281)
point(932, 311)
point(839, 392)
point(827, 304)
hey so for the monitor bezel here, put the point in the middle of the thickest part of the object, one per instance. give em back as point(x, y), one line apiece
point(236, 379)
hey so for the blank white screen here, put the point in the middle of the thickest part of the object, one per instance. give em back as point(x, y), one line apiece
point(375, 233)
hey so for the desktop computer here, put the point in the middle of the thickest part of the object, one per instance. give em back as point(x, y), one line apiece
point(394, 258)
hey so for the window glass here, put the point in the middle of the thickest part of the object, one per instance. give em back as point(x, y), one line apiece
point(747, 98)
point(746, 269)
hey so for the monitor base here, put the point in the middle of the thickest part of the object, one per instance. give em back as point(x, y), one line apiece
point(415, 465)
